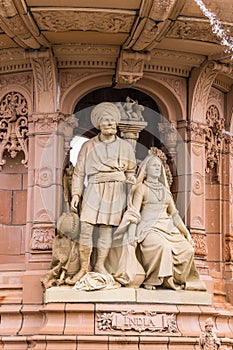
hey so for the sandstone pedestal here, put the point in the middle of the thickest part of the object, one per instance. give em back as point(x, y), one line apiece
point(113, 319)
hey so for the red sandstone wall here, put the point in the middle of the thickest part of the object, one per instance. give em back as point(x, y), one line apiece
point(13, 207)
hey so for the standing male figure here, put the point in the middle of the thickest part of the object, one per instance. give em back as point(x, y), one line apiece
point(109, 163)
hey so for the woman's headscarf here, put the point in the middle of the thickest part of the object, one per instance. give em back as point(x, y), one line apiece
point(142, 170)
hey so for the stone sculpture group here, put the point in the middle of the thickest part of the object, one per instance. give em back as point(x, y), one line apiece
point(127, 211)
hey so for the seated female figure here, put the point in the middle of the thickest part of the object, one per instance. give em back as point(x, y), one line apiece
point(164, 246)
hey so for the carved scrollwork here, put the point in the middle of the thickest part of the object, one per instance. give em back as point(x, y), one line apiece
point(213, 137)
point(13, 126)
point(197, 131)
point(42, 238)
point(80, 20)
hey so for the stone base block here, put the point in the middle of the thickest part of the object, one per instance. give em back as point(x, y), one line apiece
point(66, 294)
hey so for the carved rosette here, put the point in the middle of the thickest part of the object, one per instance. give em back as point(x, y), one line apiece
point(13, 126)
point(213, 137)
point(42, 237)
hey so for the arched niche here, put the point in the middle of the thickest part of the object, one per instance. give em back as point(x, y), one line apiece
point(168, 103)
point(148, 137)
point(165, 102)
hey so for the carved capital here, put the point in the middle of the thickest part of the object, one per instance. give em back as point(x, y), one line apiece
point(45, 79)
point(13, 126)
point(196, 132)
point(169, 136)
point(46, 123)
point(42, 237)
point(130, 67)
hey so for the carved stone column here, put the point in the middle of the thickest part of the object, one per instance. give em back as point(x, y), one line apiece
point(49, 136)
point(132, 121)
point(169, 137)
point(130, 131)
point(228, 212)
point(194, 135)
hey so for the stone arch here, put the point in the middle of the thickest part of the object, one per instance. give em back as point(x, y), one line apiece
point(169, 105)
point(82, 87)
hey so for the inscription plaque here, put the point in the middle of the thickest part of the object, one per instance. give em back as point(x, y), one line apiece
point(140, 322)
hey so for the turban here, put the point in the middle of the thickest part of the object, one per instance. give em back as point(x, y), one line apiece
point(98, 110)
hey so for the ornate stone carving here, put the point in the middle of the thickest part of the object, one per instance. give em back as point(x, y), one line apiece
point(44, 177)
point(45, 80)
point(191, 30)
point(154, 20)
point(68, 78)
point(213, 137)
point(198, 184)
point(10, 54)
point(100, 21)
point(200, 242)
point(18, 25)
point(228, 251)
point(42, 237)
point(177, 85)
point(169, 136)
point(197, 133)
point(13, 126)
point(139, 322)
point(130, 68)
point(47, 122)
point(181, 57)
point(208, 339)
point(132, 121)
point(203, 86)
point(75, 50)
point(24, 80)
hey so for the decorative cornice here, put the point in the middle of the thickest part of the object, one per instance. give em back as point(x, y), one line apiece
point(194, 29)
point(184, 58)
point(153, 23)
point(102, 20)
point(85, 50)
point(17, 22)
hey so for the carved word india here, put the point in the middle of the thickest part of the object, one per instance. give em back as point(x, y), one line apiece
point(130, 321)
